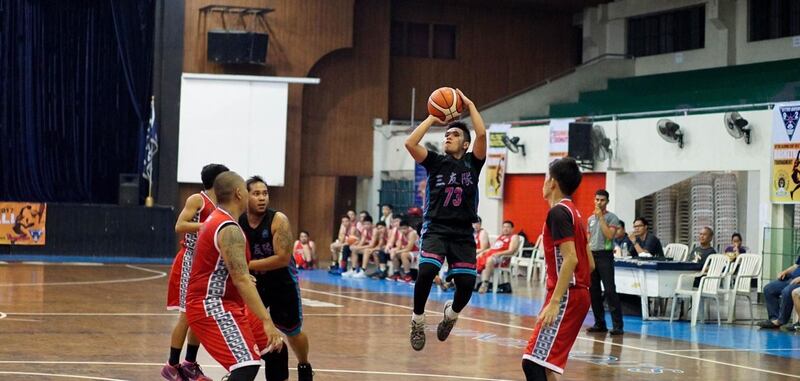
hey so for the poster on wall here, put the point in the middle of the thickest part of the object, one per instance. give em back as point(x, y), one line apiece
point(559, 138)
point(785, 186)
point(496, 155)
point(22, 223)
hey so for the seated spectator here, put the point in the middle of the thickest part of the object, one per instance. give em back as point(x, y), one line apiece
point(644, 241)
point(305, 252)
point(505, 245)
point(360, 224)
point(703, 249)
point(778, 296)
point(481, 237)
point(403, 252)
point(358, 270)
point(788, 327)
point(623, 247)
point(736, 247)
point(340, 249)
point(375, 251)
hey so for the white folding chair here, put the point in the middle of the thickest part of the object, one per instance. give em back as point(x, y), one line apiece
point(746, 268)
point(710, 286)
point(527, 262)
point(538, 261)
point(677, 252)
point(501, 271)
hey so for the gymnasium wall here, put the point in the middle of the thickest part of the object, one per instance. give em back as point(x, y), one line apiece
point(523, 203)
point(500, 49)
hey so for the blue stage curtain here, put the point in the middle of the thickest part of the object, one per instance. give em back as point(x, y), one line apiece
point(75, 87)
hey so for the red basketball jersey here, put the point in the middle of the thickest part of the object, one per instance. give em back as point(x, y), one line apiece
point(502, 243)
point(564, 223)
point(210, 286)
point(190, 239)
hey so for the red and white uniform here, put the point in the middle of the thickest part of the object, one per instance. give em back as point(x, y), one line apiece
point(214, 308)
point(182, 264)
point(477, 235)
point(549, 346)
point(402, 241)
point(298, 255)
point(502, 243)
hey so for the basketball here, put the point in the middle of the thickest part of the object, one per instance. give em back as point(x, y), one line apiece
point(351, 240)
point(445, 104)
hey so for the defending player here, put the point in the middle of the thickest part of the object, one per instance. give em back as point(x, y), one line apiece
point(270, 241)
point(196, 210)
point(222, 304)
point(569, 267)
point(451, 206)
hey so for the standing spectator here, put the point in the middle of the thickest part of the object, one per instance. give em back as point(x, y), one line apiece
point(305, 251)
point(643, 241)
point(602, 229)
point(622, 243)
point(387, 211)
point(778, 296)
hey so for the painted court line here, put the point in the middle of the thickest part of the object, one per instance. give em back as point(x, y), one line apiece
point(4, 315)
point(579, 337)
point(62, 376)
point(731, 350)
point(159, 274)
point(350, 371)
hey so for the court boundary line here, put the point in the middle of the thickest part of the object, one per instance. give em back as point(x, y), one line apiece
point(61, 375)
point(111, 363)
point(159, 274)
point(656, 351)
point(5, 315)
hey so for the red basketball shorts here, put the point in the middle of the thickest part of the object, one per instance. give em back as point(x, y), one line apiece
point(235, 337)
point(179, 281)
point(549, 346)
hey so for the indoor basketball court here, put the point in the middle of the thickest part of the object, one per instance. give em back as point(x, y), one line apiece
point(101, 322)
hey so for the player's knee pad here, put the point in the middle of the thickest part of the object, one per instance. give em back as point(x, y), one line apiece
point(533, 371)
point(246, 373)
point(464, 281)
point(427, 270)
point(276, 364)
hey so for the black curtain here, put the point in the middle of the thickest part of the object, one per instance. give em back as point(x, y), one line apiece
point(75, 86)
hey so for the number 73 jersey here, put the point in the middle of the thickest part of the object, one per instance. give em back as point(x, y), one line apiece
point(451, 193)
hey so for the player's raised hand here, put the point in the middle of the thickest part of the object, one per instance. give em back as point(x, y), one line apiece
point(467, 101)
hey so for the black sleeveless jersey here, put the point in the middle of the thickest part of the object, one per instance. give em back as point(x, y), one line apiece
point(261, 246)
point(451, 194)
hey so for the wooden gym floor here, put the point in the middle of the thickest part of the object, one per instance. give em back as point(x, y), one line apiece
point(108, 322)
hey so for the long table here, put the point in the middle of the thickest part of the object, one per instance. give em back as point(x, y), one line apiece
point(650, 278)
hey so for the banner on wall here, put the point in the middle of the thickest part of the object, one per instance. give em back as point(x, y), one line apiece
point(496, 155)
point(559, 138)
point(785, 186)
point(22, 223)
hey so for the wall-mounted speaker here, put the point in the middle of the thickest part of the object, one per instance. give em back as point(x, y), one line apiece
point(580, 141)
point(237, 47)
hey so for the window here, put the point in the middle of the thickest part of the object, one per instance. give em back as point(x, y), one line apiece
point(410, 39)
point(771, 19)
point(667, 32)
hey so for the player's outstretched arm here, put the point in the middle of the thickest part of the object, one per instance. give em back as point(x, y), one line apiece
point(184, 224)
point(417, 151)
point(479, 148)
point(282, 241)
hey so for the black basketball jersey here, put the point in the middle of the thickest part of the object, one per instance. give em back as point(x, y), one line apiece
point(451, 194)
point(261, 246)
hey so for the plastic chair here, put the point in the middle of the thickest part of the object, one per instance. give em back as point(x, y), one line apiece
point(529, 263)
point(677, 252)
point(714, 271)
point(505, 271)
point(746, 268)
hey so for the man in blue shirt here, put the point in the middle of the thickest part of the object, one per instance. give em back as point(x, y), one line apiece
point(778, 295)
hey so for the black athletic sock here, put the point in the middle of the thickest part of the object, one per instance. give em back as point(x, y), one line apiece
point(422, 288)
point(533, 371)
point(174, 356)
point(464, 284)
point(191, 352)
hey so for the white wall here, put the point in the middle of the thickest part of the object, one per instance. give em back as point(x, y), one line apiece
point(726, 36)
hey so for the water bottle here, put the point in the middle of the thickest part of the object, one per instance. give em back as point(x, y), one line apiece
point(625, 252)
